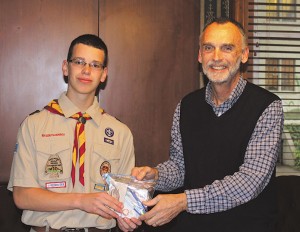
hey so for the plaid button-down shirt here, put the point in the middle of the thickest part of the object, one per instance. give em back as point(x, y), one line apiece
point(236, 189)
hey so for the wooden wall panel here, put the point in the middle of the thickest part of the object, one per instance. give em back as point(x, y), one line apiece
point(34, 39)
point(153, 63)
point(153, 47)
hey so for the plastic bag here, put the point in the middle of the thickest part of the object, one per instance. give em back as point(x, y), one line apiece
point(130, 192)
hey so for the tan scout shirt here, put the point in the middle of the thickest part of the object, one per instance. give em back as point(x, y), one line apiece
point(44, 137)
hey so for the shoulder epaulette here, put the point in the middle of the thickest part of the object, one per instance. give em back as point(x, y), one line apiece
point(34, 112)
point(30, 114)
point(118, 119)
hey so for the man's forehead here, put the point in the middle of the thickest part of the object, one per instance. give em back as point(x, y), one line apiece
point(226, 33)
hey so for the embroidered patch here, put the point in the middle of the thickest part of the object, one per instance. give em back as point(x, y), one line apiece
point(56, 184)
point(105, 168)
point(54, 166)
point(109, 132)
point(110, 141)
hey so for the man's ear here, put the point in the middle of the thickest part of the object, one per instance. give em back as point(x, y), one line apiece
point(199, 56)
point(64, 68)
point(245, 55)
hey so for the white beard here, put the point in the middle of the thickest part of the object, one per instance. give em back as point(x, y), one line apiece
point(221, 78)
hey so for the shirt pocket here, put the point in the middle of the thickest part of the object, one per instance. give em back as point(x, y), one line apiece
point(54, 164)
point(105, 158)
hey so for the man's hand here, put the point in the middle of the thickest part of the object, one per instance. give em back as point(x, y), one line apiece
point(126, 224)
point(145, 173)
point(166, 207)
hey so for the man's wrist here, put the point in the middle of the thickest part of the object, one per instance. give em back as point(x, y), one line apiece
point(184, 205)
point(156, 175)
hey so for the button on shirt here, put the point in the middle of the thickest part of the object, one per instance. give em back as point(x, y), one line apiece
point(235, 189)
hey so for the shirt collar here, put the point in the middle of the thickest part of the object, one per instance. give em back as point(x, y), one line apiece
point(70, 109)
point(234, 96)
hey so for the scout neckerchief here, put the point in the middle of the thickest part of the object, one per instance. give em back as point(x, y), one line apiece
point(79, 138)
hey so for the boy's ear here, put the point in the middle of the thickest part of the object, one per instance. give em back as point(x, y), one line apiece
point(104, 74)
point(65, 68)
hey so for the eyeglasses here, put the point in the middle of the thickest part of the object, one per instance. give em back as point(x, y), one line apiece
point(80, 63)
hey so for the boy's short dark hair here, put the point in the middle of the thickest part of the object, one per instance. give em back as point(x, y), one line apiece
point(90, 40)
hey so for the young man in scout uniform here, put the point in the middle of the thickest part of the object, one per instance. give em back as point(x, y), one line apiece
point(63, 150)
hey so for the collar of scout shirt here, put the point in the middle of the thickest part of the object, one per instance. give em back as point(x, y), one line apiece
point(69, 109)
point(234, 96)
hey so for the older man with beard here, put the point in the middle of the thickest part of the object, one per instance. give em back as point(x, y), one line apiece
point(225, 141)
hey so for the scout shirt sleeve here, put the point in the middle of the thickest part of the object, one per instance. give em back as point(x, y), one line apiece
point(253, 175)
point(127, 160)
point(24, 170)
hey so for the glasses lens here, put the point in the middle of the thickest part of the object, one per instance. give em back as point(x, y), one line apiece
point(96, 65)
point(78, 62)
point(81, 63)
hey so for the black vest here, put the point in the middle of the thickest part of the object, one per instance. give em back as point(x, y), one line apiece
point(213, 148)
